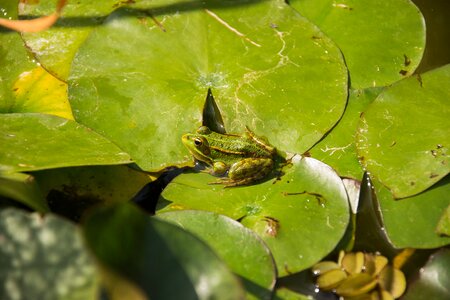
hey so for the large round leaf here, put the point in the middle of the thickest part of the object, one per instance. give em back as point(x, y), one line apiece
point(43, 258)
point(241, 249)
point(404, 136)
point(142, 81)
point(301, 217)
point(163, 260)
point(364, 28)
point(37, 141)
point(412, 222)
point(338, 149)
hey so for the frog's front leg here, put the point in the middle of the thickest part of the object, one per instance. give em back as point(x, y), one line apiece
point(246, 171)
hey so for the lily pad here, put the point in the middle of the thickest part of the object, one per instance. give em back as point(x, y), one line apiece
point(434, 279)
point(20, 77)
point(338, 148)
point(22, 188)
point(411, 222)
point(55, 48)
point(404, 136)
point(308, 205)
point(37, 141)
point(363, 28)
point(141, 79)
point(243, 251)
point(37, 252)
point(163, 260)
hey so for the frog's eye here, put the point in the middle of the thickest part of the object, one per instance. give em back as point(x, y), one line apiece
point(198, 142)
point(203, 130)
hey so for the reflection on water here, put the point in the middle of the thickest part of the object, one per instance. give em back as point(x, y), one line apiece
point(437, 19)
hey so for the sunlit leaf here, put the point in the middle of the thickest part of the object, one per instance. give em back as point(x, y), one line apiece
point(258, 58)
point(43, 258)
point(163, 260)
point(301, 217)
point(242, 250)
point(411, 222)
point(338, 148)
point(404, 135)
point(37, 141)
point(363, 29)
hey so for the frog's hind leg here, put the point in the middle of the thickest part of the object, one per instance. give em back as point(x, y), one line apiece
point(246, 172)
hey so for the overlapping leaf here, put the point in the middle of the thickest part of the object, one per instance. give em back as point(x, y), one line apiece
point(382, 41)
point(404, 135)
point(141, 79)
point(163, 260)
point(37, 141)
point(301, 217)
point(241, 249)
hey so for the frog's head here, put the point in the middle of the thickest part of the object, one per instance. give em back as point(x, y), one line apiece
point(197, 144)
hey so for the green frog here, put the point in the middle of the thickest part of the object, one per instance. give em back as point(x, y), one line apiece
point(240, 159)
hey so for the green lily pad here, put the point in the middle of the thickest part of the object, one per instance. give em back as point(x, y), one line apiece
point(404, 136)
point(338, 148)
point(22, 188)
point(434, 279)
point(25, 86)
point(37, 141)
point(55, 48)
point(141, 81)
point(443, 227)
point(43, 258)
point(242, 250)
point(163, 260)
point(301, 216)
point(411, 222)
point(363, 28)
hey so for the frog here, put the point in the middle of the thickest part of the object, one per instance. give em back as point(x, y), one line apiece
point(239, 159)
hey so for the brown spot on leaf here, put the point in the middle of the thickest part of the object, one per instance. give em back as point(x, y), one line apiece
point(433, 175)
point(403, 72)
point(434, 153)
point(419, 79)
point(307, 154)
point(412, 183)
point(407, 61)
point(272, 226)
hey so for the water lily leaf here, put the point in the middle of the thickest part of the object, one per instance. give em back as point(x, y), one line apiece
point(55, 48)
point(39, 92)
point(434, 279)
point(307, 205)
point(257, 57)
point(25, 86)
point(22, 188)
point(38, 252)
point(443, 227)
point(411, 222)
point(37, 141)
point(404, 135)
point(338, 148)
point(163, 260)
point(243, 251)
point(362, 29)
